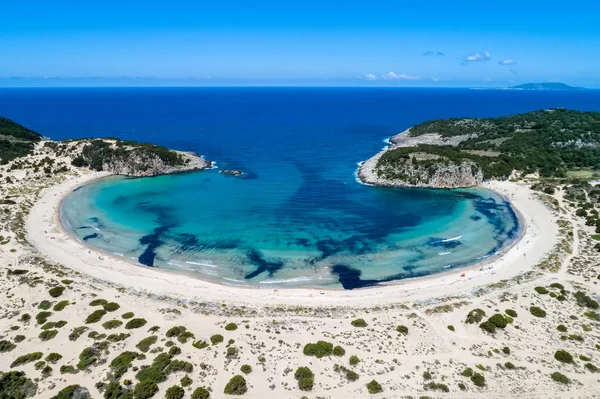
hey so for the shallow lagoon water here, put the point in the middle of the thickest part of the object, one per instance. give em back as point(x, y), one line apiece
point(297, 217)
point(307, 232)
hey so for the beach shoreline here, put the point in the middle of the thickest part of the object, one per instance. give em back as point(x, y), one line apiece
point(70, 252)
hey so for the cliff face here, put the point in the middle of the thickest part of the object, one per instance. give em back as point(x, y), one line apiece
point(421, 170)
point(140, 164)
point(126, 158)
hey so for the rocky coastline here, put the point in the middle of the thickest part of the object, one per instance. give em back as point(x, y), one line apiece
point(443, 174)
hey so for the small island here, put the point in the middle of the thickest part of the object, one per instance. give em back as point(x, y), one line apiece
point(463, 152)
point(546, 86)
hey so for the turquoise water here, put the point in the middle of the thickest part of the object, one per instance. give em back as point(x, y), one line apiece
point(300, 232)
point(297, 217)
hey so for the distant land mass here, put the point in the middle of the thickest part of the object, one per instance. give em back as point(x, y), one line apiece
point(546, 86)
point(463, 152)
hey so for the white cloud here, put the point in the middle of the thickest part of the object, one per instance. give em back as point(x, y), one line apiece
point(370, 76)
point(507, 62)
point(477, 57)
point(400, 76)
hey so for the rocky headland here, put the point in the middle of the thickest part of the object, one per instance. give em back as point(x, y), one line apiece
point(463, 152)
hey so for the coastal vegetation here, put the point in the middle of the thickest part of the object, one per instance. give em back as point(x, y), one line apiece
point(548, 142)
point(15, 140)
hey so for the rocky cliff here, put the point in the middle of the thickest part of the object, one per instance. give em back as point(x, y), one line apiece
point(419, 169)
point(127, 158)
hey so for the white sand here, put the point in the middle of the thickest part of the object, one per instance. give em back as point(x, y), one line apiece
point(279, 323)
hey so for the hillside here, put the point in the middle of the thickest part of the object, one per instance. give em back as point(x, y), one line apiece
point(462, 152)
point(15, 140)
point(546, 86)
point(110, 155)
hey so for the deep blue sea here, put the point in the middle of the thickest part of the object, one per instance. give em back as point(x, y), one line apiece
point(297, 217)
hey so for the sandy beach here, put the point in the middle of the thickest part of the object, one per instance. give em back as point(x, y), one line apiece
point(538, 239)
point(414, 341)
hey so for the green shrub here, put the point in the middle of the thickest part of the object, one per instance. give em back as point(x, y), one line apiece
point(560, 378)
point(111, 306)
point(6, 346)
point(174, 351)
point(563, 356)
point(498, 320)
point(246, 369)
point(478, 380)
point(77, 332)
point(112, 324)
point(53, 357)
point(427, 375)
point(537, 312)
point(402, 330)
point(506, 350)
point(487, 326)
point(16, 385)
point(88, 357)
point(339, 351)
point(60, 323)
point(231, 327)
point(236, 386)
point(318, 349)
point(509, 366)
point(45, 305)
point(28, 358)
point(47, 335)
point(468, 372)
point(232, 351)
point(305, 378)
point(68, 369)
point(73, 392)
point(135, 323)
point(95, 316)
point(145, 389)
point(42, 317)
point(541, 290)
point(359, 323)
point(145, 344)
point(186, 381)
point(127, 315)
point(462, 386)
point(185, 336)
point(175, 331)
point(374, 387)
point(118, 337)
point(179, 365)
point(586, 301)
point(174, 392)
point(475, 316)
point(98, 302)
point(511, 312)
point(433, 386)
point(561, 328)
point(354, 360)
point(60, 306)
point(120, 364)
point(200, 393)
point(557, 285)
point(19, 338)
point(66, 281)
point(56, 291)
point(216, 339)
point(591, 367)
point(200, 344)
point(451, 328)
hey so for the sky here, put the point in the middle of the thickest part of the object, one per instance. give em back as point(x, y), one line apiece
point(349, 43)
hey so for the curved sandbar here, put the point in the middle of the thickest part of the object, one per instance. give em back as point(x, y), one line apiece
point(540, 237)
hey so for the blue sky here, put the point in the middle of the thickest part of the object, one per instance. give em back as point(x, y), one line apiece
point(309, 42)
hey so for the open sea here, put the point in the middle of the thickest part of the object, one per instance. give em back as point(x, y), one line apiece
point(297, 217)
